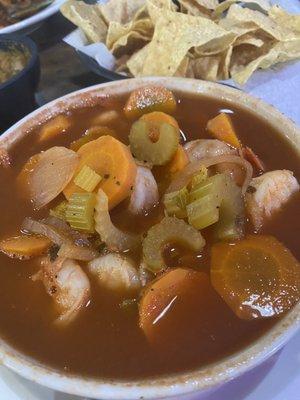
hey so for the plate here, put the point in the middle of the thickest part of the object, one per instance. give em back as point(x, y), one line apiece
point(29, 24)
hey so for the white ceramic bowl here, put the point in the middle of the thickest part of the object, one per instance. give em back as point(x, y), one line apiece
point(29, 24)
point(179, 385)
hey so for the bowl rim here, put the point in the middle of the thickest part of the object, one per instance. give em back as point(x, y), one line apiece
point(177, 384)
point(33, 19)
point(30, 45)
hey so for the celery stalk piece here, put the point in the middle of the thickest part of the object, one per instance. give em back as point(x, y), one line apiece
point(212, 185)
point(80, 211)
point(230, 225)
point(199, 177)
point(175, 203)
point(87, 179)
point(60, 210)
point(203, 212)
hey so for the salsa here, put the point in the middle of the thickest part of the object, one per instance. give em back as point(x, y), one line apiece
point(166, 308)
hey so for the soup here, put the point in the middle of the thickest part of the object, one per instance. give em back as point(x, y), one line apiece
point(155, 234)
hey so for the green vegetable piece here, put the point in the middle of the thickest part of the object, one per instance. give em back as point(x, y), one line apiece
point(203, 212)
point(212, 185)
point(60, 210)
point(80, 211)
point(175, 203)
point(169, 230)
point(144, 147)
point(231, 221)
point(199, 178)
point(87, 179)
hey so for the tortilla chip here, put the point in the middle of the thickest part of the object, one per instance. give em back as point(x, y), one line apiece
point(87, 17)
point(121, 11)
point(136, 62)
point(206, 67)
point(182, 69)
point(216, 46)
point(243, 17)
point(174, 35)
point(280, 52)
point(283, 18)
point(253, 38)
point(224, 66)
point(124, 39)
point(260, 5)
point(156, 7)
point(192, 7)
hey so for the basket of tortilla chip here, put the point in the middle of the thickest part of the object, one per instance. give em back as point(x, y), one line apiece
point(204, 39)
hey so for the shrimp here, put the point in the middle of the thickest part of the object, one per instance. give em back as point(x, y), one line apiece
point(115, 272)
point(267, 193)
point(67, 284)
point(145, 191)
point(201, 148)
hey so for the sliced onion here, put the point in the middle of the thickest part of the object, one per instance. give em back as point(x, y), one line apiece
point(50, 174)
point(79, 238)
point(67, 247)
point(183, 177)
point(40, 228)
point(113, 237)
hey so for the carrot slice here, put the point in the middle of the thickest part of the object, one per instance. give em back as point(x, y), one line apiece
point(178, 162)
point(54, 127)
point(257, 277)
point(113, 161)
point(158, 116)
point(166, 300)
point(221, 127)
point(25, 246)
point(92, 133)
point(147, 99)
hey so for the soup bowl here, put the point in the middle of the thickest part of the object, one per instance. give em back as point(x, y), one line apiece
point(181, 385)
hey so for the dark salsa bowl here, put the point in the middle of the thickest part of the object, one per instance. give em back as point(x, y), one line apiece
point(148, 243)
point(18, 90)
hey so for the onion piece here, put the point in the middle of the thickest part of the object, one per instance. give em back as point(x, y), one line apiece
point(50, 173)
point(113, 237)
point(68, 248)
point(183, 177)
point(79, 238)
point(40, 228)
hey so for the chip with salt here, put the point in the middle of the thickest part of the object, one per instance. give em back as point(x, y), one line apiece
point(87, 17)
point(122, 11)
point(174, 35)
point(283, 18)
point(205, 39)
point(280, 52)
point(244, 17)
point(124, 39)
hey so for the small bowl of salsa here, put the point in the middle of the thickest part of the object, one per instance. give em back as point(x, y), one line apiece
point(19, 77)
point(149, 243)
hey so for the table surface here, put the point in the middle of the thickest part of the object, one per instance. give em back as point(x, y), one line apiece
point(61, 69)
point(62, 72)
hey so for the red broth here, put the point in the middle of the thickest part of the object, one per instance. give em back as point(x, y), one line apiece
point(105, 340)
